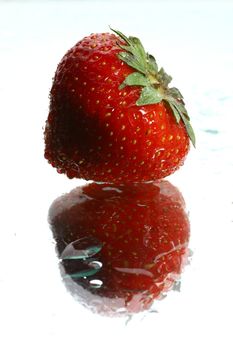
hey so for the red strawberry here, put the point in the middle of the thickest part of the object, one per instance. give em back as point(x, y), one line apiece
point(120, 247)
point(112, 115)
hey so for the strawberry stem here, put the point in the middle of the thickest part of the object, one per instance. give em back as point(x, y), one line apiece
point(154, 82)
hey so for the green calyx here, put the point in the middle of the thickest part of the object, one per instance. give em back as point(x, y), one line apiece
point(154, 82)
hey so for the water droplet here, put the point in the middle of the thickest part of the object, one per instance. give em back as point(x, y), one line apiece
point(176, 286)
point(128, 319)
point(134, 271)
point(108, 188)
point(190, 252)
point(153, 311)
point(121, 310)
point(211, 131)
point(96, 283)
point(162, 296)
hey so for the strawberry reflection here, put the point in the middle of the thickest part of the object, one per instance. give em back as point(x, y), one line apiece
point(120, 247)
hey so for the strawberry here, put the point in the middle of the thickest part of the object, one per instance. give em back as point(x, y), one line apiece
point(122, 246)
point(113, 116)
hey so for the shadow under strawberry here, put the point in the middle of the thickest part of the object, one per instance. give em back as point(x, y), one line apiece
point(120, 247)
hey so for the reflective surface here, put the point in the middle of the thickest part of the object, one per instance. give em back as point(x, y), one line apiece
point(121, 247)
point(193, 40)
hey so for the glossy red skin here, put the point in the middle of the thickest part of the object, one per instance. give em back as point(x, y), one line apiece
point(144, 230)
point(95, 131)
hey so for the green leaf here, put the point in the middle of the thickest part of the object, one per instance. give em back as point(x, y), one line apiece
point(178, 103)
point(181, 107)
point(180, 112)
point(164, 78)
point(149, 95)
point(121, 35)
point(152, 65)
point(134, 79)
point(138, 48)
point(175, 93)
point(131, 61)
point(134, 53)
point(189, 130)
point(184, 116)
point(174, 110)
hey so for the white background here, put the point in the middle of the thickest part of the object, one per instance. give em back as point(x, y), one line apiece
point(193, 40)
